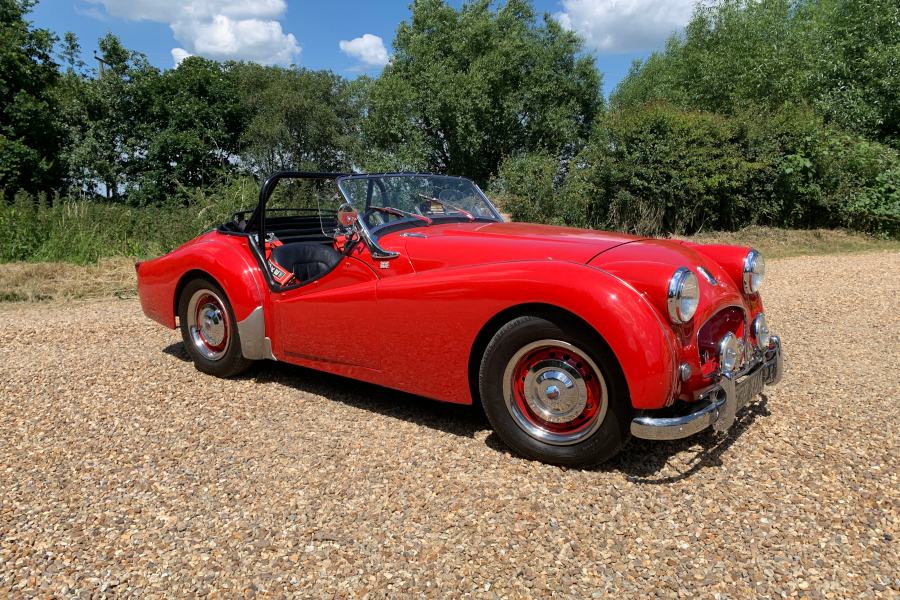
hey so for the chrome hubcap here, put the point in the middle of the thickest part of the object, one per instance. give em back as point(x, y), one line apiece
point(208, 324)
point(555, 391)
point(212, 326)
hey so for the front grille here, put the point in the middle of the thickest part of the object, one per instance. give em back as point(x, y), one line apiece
point(730, 318)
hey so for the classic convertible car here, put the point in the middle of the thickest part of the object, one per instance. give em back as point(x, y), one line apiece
point(573, 340)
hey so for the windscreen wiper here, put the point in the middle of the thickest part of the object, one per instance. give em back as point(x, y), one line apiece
point(445, 205)
point(399, 213)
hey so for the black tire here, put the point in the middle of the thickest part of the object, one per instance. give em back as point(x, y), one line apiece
point(586, 443)
point(226, 361)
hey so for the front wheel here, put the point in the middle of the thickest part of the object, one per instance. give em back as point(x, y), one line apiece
point(555, 392)
point(209, 331)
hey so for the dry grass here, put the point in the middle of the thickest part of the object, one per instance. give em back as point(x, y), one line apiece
point(110, 278)
point(784, 243)
point(116, 277)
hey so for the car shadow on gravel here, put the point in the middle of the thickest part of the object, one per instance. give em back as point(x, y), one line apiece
point(456, 419)
point(642, 461)
point(650, 462)
point(178, 351)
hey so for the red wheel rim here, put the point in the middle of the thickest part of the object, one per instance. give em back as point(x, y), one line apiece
point(555, 392)
point(209, 324)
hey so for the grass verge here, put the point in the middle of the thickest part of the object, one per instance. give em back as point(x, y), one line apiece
point(785, 243)
point(115, 277)
point(109, 278)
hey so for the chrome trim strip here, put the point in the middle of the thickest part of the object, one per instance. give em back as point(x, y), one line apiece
point(719, 413)
point(747, 274)
point(729, 407)
point(252, 331)
point(775, 342)
point(706, 274)
point(673, 428)
point(268, 349)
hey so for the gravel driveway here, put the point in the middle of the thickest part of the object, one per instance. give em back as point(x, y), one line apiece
point(125, 472)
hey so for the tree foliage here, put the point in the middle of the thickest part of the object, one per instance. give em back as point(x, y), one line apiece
point(28, 130)
point(467, 87)
point(841, 57)
point(658, 168)
point(298, 119)
point(780, 112)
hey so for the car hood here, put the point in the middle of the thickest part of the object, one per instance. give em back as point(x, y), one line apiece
point(465, 244)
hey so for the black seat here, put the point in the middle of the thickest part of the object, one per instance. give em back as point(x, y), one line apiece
point(306, 261)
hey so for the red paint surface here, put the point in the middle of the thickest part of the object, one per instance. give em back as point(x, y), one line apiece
point(224, 258)
point(410, 323)
point(437, 316)
point(325, 319)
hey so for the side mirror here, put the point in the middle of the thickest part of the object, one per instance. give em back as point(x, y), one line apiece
point(347, 214)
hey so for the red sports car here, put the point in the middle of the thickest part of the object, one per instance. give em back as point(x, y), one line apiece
point(572, 340)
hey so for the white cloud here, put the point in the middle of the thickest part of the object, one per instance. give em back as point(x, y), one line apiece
point(179, 54)
point(217, 29)
point(368, 48)
point(613, 26)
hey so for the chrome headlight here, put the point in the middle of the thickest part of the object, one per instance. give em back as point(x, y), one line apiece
point(728, 352)
point(754, 272)
point(760, 330)
point(684, 295)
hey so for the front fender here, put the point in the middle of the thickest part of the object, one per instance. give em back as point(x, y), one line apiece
point(436, 313)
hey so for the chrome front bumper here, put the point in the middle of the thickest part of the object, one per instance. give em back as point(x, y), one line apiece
point(723, 401)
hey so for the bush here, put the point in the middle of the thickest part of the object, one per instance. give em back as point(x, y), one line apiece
point(658, 169)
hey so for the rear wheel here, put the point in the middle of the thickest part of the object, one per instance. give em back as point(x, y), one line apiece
point(554, 392)
point(209, 330)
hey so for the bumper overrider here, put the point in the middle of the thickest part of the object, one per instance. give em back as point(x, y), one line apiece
point(718, 406)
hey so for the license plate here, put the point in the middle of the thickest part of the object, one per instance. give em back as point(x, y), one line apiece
point(750, 387)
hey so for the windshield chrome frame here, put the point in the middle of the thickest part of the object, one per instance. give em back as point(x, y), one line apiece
point(369, 235)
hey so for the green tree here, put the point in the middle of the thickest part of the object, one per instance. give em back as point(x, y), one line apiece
point(29, 135)
point(466, 88)
point(106, 120)
point(658, 168)
point(840, 56)
point(858, 84)
point(190, 124)
point(297, 119)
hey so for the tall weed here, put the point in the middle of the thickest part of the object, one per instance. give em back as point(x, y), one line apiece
point(84, 231)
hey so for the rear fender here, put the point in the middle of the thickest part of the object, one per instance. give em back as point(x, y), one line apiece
point(161, 280)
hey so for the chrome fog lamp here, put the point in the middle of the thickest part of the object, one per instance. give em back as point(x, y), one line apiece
point(684, 295)
point(728, 352)
point(754, 272)
point(760, 329)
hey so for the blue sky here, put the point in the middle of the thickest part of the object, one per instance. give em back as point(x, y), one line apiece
point(348, 37)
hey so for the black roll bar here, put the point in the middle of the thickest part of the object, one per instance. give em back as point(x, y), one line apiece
point(265, 192)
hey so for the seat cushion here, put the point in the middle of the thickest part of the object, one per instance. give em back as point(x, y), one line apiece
point(306, 261)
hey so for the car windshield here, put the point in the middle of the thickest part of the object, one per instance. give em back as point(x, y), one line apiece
point(423, 199)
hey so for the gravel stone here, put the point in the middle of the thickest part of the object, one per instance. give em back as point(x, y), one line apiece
point(124, 472)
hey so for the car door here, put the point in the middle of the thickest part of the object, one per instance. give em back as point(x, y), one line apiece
point(335, 318)
point(322, 321)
